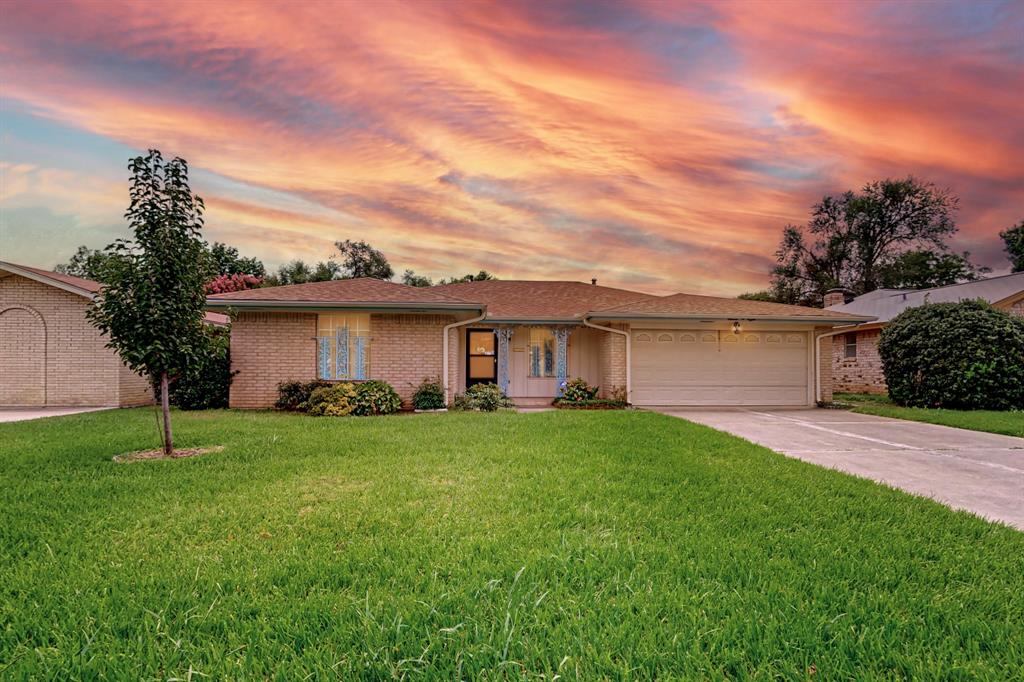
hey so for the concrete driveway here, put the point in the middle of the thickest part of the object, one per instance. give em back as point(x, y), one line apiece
point(980, 472)
point(20, 414)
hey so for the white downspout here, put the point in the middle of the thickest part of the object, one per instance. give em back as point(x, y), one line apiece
point(817, 357)
point(444, 346)
point(624, 334)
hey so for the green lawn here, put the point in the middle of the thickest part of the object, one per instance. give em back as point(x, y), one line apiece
point(1008, 423)
point(579, 544)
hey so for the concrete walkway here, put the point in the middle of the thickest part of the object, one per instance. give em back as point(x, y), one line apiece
point(20, 414)
point(980, 472)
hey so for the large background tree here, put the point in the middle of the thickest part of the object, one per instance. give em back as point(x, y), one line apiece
point(1013, 244)
point(227, 261)
point(859, 241)
point(85, 263)
point(152, 304)
point(359, 259)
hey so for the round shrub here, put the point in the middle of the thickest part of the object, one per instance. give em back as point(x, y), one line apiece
point(375, 397)
point(294, 395)
point(578, 390)
point(336, 400)
point(482, 398)
point(429, 395)
point(965, 355)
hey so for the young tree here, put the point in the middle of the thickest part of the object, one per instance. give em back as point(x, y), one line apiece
point(151, 307)
point(1013, 240)
point(359, 259)
point(85, 263)
point(851, 237)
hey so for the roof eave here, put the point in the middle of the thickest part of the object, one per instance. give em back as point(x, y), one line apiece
point(49, 281)
point(852, 319)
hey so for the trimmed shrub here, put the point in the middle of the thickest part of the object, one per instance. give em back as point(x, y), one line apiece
point(294, 395)
point(375, 397)
point(965, 355)
point(205, 386)
point(429, 395)
point(336, 400)
point(481, 398)
point(578, 390)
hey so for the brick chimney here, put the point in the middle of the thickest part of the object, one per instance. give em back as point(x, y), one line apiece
point(837, 297)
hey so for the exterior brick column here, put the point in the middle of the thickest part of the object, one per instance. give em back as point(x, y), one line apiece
point(612, 360)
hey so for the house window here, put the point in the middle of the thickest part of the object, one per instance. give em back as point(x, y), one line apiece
point(541, 352)
point(343, 346)
point(851, 346)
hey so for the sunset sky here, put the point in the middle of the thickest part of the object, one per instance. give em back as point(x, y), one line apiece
point(658, 146)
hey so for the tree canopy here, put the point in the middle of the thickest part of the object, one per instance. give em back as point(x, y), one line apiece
point(153, 301)
point(1013, 244)
point(359, 259)
point(85, 263)
point(889, 231)
point(227, 261)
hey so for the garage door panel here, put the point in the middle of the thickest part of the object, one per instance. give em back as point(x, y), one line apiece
point(702, 368)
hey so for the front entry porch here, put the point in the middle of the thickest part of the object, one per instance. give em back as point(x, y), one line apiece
point(530, 362)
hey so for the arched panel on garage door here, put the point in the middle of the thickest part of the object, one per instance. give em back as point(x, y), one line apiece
point(22, 357)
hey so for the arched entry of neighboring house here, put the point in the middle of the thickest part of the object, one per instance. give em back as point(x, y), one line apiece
point(22, 357)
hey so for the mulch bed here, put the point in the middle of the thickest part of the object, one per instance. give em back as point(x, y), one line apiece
point(179, 453)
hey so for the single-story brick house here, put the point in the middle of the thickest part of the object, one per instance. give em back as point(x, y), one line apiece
point(50, 355)
point(528, 337)
point(856, 365)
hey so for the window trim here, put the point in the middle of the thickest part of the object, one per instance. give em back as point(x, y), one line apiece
point(554, 355)
point(850, 342)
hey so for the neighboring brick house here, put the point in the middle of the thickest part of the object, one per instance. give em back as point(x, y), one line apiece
point(529, 337)
point(50, 355)
point(856, 365)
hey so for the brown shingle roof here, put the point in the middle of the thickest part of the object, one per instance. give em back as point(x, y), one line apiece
point(85, 284)
point(713, 306)
point(363, 290)
point(89, 288)
point(537, 300)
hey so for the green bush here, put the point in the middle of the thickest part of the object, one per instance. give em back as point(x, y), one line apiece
point(965, 355)
point(429, 395)
point(205, 386)
point(294, 395)
point(578, 390)
point(375, 397)
point(481, 398)
point(336, 400)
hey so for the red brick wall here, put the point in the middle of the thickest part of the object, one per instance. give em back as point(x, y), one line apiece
point(407, 348)
point(51, 355)
point(862, 374)
point(270, 348)
point(267, 349)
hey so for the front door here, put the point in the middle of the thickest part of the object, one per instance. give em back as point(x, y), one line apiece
point(481, 357)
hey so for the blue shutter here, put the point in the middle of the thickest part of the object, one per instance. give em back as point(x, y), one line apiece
point(324, 357)
point(341, 353)
point(360, 370)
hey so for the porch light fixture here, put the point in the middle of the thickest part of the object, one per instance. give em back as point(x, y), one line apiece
point(736, 327)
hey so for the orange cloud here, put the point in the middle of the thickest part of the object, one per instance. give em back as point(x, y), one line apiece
point(656, 144)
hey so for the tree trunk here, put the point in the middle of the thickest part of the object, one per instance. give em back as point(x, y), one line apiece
point(165, 404)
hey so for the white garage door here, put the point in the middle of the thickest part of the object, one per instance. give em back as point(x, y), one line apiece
point(699, 367)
